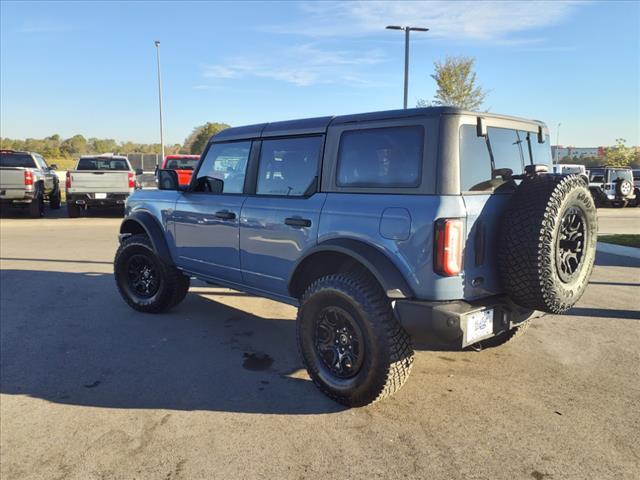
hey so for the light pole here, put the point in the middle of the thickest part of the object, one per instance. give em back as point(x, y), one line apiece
point(406, 30)
point(558, 143)
point(157, 42)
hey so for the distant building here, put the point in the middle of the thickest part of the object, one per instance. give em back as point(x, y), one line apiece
point(576, 152)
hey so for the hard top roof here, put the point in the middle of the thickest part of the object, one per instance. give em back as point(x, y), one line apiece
point(308, 126)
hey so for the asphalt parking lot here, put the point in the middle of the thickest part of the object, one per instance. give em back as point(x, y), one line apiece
point(90, 389)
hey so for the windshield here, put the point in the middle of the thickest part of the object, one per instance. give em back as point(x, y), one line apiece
point(17, 160)
point(102, 164)
point(181, 163)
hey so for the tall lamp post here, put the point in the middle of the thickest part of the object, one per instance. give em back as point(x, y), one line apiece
point(558, 144)
point(407, 30)
point(157, 42)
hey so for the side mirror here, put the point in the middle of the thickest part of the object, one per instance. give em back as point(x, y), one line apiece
point(168, 180)
point(139, 171)
point(481, 127)
point(53, 166)
point(208, 184)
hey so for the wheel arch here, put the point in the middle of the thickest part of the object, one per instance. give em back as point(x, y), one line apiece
point(145, 223)
point(336, 255)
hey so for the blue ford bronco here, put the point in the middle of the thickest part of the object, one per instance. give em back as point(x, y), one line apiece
point(388, 230)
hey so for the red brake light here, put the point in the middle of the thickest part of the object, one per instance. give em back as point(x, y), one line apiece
point(28, 177)
point(68, 181)
point(447, 259)
point(132, 180)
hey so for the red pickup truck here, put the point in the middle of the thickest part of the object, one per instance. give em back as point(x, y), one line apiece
point(183, 165)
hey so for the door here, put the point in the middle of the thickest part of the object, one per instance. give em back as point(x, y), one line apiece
point(207, 224)
point(48, 175)
point(280, 222)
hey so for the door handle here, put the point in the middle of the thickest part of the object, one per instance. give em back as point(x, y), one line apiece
point(297, 222)
point(225, 215)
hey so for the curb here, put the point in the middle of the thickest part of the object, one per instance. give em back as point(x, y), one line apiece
point(619, 250)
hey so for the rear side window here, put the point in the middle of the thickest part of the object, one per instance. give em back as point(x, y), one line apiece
point(381, 157)
point(16, 160)
point(102, 164)
point(228, 162)
point(288, 166)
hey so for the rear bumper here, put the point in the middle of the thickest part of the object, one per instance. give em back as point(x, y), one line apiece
point(89, 200)
point(448, 322)
point(16, 195)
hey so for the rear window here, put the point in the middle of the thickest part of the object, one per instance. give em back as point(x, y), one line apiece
point(102, 164)
point(181, 163)
point(512, 151)
point(614, 175)
point(381, 157)
point(17, 160)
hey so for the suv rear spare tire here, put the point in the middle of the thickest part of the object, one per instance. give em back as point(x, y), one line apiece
point(547, 242)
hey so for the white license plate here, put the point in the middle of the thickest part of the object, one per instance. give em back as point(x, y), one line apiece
point(101, 195)
point(479, 325)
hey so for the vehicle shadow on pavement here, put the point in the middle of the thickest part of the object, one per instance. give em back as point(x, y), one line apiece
point(50, 214)
point(76, 342)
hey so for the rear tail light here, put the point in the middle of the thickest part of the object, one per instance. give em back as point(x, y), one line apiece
point(28, 177)
point(68, 181)
point(132, 180)
point(447, 258)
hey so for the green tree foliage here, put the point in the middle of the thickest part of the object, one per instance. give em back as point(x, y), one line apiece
point(619, 155)
point(201, 136)
point(457, 84)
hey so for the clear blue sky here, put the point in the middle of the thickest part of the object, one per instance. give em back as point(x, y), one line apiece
point(89, 67)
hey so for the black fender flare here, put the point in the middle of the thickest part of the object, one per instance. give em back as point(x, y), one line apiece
point(148, 223)
point(380, 266)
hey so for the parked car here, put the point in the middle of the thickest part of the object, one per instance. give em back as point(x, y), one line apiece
point(182, 164)
point(612, 186)
point(572, 169)
point(26, 180)
point(381, 227)
point(99, 181)
point(636, 187)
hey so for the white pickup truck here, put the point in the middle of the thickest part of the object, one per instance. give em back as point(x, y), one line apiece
point(27, 180)
point(99, 181)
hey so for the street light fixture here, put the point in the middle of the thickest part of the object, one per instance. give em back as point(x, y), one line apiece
point(157, 42)
point(407, 30)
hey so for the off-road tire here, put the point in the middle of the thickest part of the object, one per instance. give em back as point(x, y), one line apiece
point(36, 207)
point(506, 337)
point(529, 242)
point(73, 210)
point(55, 199)
point(173, 285)
point(387, 353)
point(182, 289)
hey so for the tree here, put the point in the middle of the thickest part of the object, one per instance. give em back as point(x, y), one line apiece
point(457, 86)
point(204, 133)
point(76, 145)
point(619, 155)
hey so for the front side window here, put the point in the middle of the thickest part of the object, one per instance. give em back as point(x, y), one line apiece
point(227, 162)
point(288, 166)
point(41, 162)
point(381, 157)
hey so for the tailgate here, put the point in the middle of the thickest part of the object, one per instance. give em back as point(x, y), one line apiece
point(99, 181)
point(12, 178)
